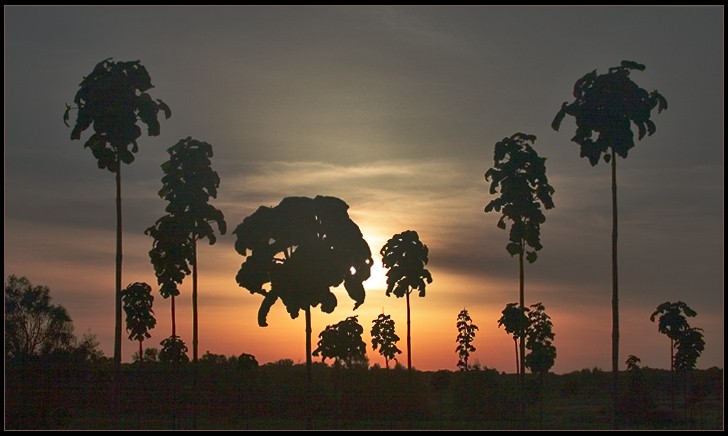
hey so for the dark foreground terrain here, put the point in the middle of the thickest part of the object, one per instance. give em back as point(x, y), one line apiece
point(61, 395)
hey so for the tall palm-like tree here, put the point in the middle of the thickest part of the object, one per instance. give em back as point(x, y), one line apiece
point(188, 184)
point(138, 299)
point(608, 104)
point(519, 174)
point(113, 98)
point(406, 256)
point(301, 248)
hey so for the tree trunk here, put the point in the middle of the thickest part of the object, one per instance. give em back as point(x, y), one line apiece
point(117, 293)
point(518, 367)
point(141, 353)
point(615, 299)
point(522, 361)
point(672, 382)
point(309, 364)
point(195, 338)
point(409, 337)
point(521, 300)
point(174, 324)
point(117, 299)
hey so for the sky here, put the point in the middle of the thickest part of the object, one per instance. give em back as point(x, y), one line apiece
point(395, 110)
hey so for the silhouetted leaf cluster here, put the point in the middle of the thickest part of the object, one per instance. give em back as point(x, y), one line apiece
point(607, 104)
point(188, 183)
point(406, 256)
point(171, 253)
point(515, 320)
point(302, 247)
point(138, 299)
point(342, 342)
point(520, 175)
point(113, 98)
point(689, 347)
point(173, 350)
point(632, 362)
point(672, 318)
point(384, 338)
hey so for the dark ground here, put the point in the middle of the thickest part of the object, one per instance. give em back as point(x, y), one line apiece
point(60, 395)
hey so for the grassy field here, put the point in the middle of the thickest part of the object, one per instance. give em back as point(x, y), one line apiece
point(273, 396)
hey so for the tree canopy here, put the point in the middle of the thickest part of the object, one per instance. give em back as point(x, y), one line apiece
point(607, 104)
point(113, 98)
point(302, 247)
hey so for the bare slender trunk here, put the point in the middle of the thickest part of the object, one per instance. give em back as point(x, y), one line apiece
point(117, 293)
point(141, 354)
point(174, 323)
point(672, 383)
point(521, 299)
point(117, 299)
point(615, 299)
point(522, 361)
point(195, 337)
point(309, 364)
point(409, 337)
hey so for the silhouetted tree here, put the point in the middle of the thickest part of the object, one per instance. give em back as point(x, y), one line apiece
point(672, 323)
point(609, 104)
point(170, 255)
point(539, 340)
point(173, 350)
point(342, 342)
point(188, 184)
point(689, 347)
point(542, 352)
point(466, 335)
point(302, 247)
point(637, 401)
point(632, 362)
point(384, 337)
point(137, 299)
point(514, 320)
point(519, 173)
point(406, 256)
point(114, 98)
point(247, 361)
point(33, 326)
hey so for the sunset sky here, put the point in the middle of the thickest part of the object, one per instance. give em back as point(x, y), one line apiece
point(395, 110)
